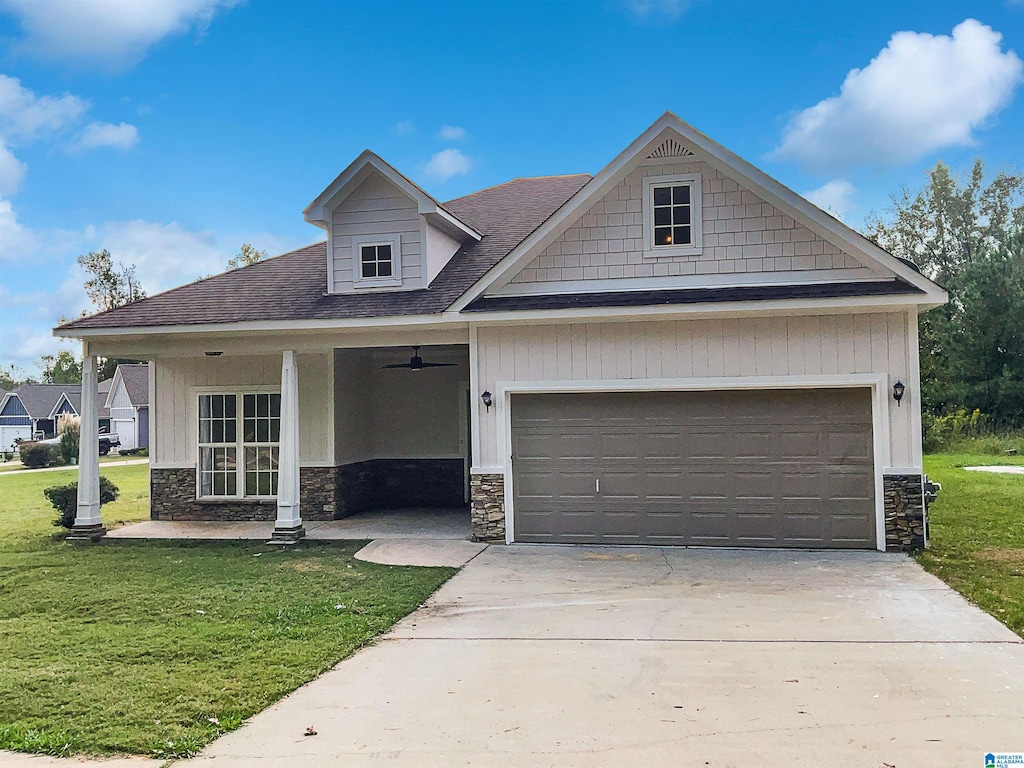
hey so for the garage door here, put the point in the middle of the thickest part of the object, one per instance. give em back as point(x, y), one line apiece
point(776, 468)
point(9, 434)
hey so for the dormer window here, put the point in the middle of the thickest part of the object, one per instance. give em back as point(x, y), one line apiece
point(672, 215)
point(378, 262)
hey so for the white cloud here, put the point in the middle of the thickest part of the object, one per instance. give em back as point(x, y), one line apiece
point(97, 135)
point(405, 128)
point(166, 255)
point(445, 164)
point(921, 93)
point(16, 241)
point(106, 32)
point(657, 9)
point(833, 196)
point(451, 133)
point(12, 172)
point(25, 116)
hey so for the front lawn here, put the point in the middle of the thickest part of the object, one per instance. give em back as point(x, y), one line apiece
point(977, 534)
point(158, 648)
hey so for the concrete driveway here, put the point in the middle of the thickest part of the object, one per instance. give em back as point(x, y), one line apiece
point(558, 656)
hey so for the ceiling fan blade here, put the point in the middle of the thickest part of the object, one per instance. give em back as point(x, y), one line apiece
point(398, 365)
point(438, 365)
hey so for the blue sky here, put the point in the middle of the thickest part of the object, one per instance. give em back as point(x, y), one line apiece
point(172, 131)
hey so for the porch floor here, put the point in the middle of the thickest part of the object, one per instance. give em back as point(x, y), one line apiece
point(421, 523)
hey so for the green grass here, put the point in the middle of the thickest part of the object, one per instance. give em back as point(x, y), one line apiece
point(148, 648)
point(15, 464)
point(977, 533)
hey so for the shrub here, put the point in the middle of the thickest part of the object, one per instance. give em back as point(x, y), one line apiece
point(64, 499)
point(965, 431)
point(67, 448)
point(35, 456)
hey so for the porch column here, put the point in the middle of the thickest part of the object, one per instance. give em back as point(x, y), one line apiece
point(288, 528)
point(88, 524)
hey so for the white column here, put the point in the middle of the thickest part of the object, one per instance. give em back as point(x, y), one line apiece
point(289, 522)
point(88, 524)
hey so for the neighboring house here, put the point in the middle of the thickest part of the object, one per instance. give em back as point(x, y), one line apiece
point(32, 411)
point(678, 350)
point(128, 404)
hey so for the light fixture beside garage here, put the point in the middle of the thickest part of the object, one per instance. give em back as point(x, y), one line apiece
point(488, 402)
point(897, 391)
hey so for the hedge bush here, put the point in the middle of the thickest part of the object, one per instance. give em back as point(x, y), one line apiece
point(64, 499)
point(34, 455)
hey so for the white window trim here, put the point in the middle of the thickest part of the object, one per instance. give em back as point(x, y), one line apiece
point(696, 216)
point(240, 444)
point(358, 281)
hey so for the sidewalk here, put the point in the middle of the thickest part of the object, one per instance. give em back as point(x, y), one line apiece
point(125, 463)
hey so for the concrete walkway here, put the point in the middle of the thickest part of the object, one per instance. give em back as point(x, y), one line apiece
point(1014, 470)
point(126, 463)
point(545, 656)
point(415, 524)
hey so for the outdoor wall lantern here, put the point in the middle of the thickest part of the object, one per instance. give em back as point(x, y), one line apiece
point(488, 402)
point(897, 391)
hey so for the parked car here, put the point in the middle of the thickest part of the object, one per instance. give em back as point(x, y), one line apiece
point(107, 442)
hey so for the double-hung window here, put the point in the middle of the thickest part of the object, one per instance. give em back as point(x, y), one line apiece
point(239, 441)
point(672, 215)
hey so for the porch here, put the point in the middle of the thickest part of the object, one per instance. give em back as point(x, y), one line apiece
point(368, 442)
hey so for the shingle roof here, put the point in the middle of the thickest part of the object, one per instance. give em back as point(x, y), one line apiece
point(39, 399)
point(291, 286)
point(667, 297)
point(136, 383)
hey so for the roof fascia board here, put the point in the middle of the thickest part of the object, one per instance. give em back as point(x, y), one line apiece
point(113, 388)
point(64, 397)
point(773, 191)
point(318, 211)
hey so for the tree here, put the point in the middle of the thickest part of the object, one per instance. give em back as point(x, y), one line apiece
point(10, 377)
point(968, 235)
point(62, 368)
point(109, 285)
point(246, 255)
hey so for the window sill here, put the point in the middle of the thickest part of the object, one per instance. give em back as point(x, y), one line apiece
point(236, 500)
point(368, 284)
point(671, 253)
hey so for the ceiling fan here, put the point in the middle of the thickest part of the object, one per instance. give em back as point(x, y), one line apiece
point(416, 363)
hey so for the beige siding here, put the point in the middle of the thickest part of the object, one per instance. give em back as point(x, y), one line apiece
point(376, 209)
point(736, 347)
point(397, 413)
point(741, 234)
point(176, 382)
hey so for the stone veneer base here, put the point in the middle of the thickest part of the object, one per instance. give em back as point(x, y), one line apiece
point(904, 513)
point(173, 497)
point(487, 493)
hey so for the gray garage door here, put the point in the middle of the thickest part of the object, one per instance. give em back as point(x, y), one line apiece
point(776, 468)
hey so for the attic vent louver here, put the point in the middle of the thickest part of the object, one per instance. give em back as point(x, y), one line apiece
point(670, 148)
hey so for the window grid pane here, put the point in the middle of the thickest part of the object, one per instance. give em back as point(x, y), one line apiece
point(376, 260)
point(672, 211)
point(219, 446)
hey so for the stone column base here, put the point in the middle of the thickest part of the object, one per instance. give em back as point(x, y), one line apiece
point(287, 535)
point(904, 513)
point(87, 533)
point(487, 511)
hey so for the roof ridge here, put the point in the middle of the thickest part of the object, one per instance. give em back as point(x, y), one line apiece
point(513, 181)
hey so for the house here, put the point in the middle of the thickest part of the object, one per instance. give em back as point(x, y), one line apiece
point(128, 405)
point(676, 350)
point(31, 411)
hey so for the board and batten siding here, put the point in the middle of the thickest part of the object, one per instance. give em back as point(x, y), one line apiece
point(176, 380)
point(742, 234)
point(698, 349)
point(120, 404)
point(376, 208)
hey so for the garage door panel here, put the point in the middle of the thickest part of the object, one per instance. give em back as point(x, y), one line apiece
point(752, 468)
